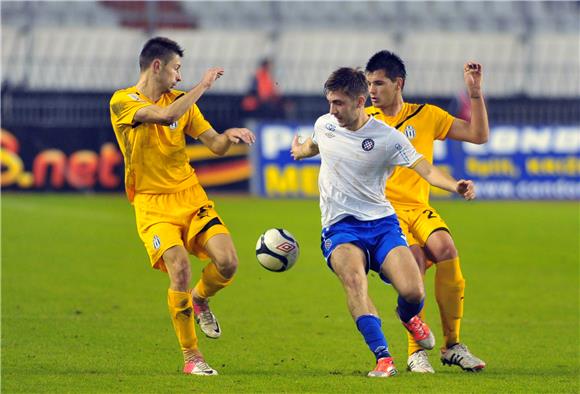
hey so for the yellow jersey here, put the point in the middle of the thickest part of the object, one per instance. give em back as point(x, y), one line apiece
point(422, 124)
point(155, 158)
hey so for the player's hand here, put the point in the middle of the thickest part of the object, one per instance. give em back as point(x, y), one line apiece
point(210, 76)
point(473, 75)
point(236, 135)
point(295, 149)
point(466, 189)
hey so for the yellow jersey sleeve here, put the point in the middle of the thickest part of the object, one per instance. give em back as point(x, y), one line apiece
point(196, 123)
point(442, 122)
point(124, 105)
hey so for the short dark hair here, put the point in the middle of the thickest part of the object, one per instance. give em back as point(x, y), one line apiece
point(158, 48)
point(390, 63)
point(348, 80)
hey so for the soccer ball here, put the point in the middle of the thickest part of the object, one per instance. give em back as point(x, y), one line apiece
point(277, 250)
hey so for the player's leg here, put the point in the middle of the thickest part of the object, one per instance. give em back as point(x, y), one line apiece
point(207, 236)
point(181, 309)
point(449, 292)
point(220, 271)
point(216, 275)
point(162, 239)
point(432, 231)
point(349, 264)
point(417, 358)
point(401, 269)
point(449, 283)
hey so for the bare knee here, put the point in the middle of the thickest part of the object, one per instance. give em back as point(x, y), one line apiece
point(227, 263)
point(414, 294)
point(441, 247)
point(353, 282)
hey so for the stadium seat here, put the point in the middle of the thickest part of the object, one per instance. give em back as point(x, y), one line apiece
point(305, 59)
point(554, 65)
point(238, 52)
point(435, 62)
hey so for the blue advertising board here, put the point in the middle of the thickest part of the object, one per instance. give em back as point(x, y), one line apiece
point(517, 163)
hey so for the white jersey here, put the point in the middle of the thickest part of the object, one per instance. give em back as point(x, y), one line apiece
point(355, 166)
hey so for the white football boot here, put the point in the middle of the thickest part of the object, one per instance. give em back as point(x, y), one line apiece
point(419, 362)
point(459, 355)
point(198, 367)
point(206, 320)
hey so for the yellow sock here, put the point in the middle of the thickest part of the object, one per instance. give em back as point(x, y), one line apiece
point(449, 292)
point(412, 345)
point(181, 311)
point(211, 281)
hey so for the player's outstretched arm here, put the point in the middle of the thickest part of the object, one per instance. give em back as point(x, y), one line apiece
point(477, 129)
point(220, 143)
point(303, 150)
point(438, 178)
point(174, 111)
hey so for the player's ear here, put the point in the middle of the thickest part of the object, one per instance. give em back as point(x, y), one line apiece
point(400, 83)
point(156, 65)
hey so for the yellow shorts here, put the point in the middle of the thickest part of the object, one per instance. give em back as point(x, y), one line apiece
point(419, 223)
point(184, 218)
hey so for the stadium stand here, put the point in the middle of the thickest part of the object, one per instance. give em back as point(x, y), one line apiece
point(304, 59)
point(238, 53)
point(151, 15)
point(56, 13)
point(554, 65)
point(433, 60)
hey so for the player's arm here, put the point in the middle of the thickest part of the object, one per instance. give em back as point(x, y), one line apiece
point(477, 129)
point(220, 143)
point(174, 111)
point(438, 178)
point(303, 150)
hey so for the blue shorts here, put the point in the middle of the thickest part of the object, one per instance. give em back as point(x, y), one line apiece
point(376, 238)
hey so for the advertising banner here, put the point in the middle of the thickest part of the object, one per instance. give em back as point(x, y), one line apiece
point(518, 162)
point(89, 159)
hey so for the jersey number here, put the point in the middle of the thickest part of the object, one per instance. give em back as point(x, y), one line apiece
point(430, 214)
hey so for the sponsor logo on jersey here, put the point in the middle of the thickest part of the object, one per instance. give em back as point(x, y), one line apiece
point(156, 242)
point(368, 144)
point(330, 126)
point(173, 125)
point(402, 152)
point(410, 132)
point(135, 97)
point(330, 135)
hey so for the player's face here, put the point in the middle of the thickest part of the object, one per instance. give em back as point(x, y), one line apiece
point(343, 108)
point(170, 73)
point(383, 92)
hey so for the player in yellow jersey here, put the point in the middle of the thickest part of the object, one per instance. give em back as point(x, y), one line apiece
point(174, 215)
point(428, 235)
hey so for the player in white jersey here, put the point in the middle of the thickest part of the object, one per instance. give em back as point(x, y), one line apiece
point(360, 229)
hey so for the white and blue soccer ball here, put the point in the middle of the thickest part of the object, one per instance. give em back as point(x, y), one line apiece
point(277, 250)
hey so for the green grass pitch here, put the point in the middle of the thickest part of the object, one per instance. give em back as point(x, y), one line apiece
point(83, 312)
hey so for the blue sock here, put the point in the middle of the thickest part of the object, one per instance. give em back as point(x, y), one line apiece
point(407, 310)
point(370, 328)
